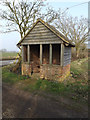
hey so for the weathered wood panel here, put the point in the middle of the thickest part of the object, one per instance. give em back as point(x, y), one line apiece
point(50, 56)
point(67, 55)
point(28, 51)
point(62, 55)
point(40, 33)
point(41, 37)
point(41, 42)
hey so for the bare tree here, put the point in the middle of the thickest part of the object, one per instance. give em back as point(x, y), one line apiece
point(73, 28)
point(20, 15)
point(50, 15)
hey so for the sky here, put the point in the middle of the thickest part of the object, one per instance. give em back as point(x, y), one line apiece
point(9, 40)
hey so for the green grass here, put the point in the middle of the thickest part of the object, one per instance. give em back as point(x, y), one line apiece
point(10, 77)
point(47, 86)
point(79, 69)
point(76, 90)
point(76, 86)
point(9, 54)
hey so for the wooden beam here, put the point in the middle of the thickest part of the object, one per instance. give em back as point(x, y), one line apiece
point(62, 55)
point(33, 42)
point(22, 53)
point(50, 55)
point(28, 51)
point(40, 53)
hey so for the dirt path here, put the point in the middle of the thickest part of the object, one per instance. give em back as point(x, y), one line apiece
point(20, 104)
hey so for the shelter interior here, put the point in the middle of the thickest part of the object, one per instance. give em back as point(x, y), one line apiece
point(47, 54)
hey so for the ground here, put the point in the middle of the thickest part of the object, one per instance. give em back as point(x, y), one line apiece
point(20, 104)
point(25, 97)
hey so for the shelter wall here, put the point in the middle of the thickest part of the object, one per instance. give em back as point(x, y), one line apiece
point(49, 72)
point(40, 33)
point(67, 55)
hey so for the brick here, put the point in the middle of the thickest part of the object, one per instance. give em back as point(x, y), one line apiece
point(50, 72)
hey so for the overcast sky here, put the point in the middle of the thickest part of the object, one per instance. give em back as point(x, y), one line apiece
point(9, 40)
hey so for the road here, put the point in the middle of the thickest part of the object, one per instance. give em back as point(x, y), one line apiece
point(6, 62)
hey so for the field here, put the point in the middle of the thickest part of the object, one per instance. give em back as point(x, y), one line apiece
point(8, 55)
point(73, 90)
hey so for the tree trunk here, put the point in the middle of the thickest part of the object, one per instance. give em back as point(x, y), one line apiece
point(77, 52)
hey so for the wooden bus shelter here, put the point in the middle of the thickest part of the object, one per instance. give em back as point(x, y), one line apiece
point(45, 51)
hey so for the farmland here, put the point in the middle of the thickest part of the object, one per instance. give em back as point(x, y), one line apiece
point(6, 55)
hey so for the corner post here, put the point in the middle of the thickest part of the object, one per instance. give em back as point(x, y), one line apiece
point(28, 53)
point(50, 56)
point(62, 55)
point(40, 53)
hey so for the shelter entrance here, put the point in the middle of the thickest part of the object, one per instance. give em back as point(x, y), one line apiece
point(56, 54)
point(35, 58)
point(45, 54)
point(37, 55)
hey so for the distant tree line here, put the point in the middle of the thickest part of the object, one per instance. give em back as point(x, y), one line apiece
point(5, 50)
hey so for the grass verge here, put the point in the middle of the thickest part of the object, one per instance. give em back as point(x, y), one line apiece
point(10, 77)
point(75, 87)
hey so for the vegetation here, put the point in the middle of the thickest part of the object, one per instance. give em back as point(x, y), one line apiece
point(10, 77)
point(5, 55)
point(74, 28)
point(21, 15)
point(75, 86)
point(75, 90)
point(9, 54)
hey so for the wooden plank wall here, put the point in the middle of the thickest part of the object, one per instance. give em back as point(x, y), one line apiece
point(40, 33)
point(67, 55)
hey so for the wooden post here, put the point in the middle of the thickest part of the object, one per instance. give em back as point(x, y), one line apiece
point(40, 53)
point(50, 55)
point(62, 54)
point(22, 53)
point(28, 51)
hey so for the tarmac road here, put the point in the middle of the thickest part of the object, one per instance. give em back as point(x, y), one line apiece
point(6, 62)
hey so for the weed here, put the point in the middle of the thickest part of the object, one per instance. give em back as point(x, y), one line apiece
point(10, 77)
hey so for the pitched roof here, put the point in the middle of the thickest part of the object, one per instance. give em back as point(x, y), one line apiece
point(51, 28)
